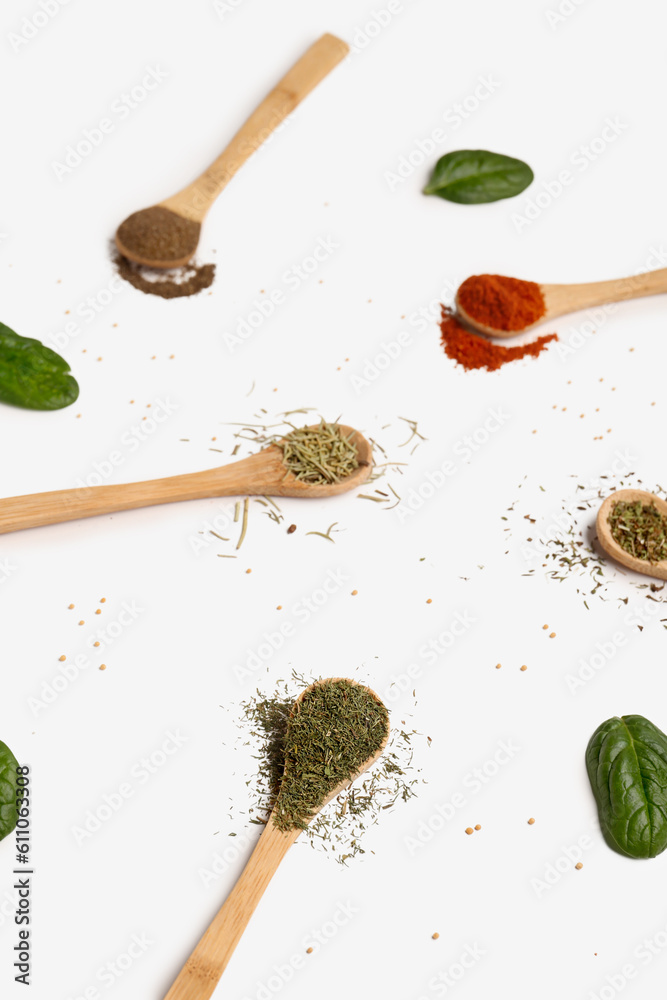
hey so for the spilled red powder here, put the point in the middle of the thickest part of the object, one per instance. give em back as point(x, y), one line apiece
point(501, 303)
point(472, 351)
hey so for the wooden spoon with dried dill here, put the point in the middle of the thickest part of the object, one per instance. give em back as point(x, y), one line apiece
point(632, 528)
point(337, 729)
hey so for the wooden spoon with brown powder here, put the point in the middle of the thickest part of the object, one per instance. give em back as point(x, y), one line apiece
point(167, 234)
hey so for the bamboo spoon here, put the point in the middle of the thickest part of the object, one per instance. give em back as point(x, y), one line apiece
point(199, 976)
point(611, 546)
point(561, 299)
point(262, 474)
point(192, 203)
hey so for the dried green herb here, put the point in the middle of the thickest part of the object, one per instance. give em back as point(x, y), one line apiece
point(640, 529)
point(334, 728)
point(319, 455)
point(340, 825)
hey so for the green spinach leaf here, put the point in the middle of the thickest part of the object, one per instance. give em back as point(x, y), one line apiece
point(474, 176)
point(626, 761)
point(8, 790)
point(32, 375)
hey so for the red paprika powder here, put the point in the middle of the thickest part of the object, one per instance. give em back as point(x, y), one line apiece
point(472, 351)
point(501, 303)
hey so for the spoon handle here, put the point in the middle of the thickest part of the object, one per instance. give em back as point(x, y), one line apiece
point(199, 976)
point(249, 476)
point(194, 201)
point(560, 299)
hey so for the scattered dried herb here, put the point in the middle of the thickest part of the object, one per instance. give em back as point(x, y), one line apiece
point(640, 529)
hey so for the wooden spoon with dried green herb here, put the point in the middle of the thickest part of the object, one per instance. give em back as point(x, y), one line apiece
point(337, 730)
point(319, 461)
point(632, 529)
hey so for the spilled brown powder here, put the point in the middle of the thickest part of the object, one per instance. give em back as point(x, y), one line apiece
point(171, 283)
point(158, 235)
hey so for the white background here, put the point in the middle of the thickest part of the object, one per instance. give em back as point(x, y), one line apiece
point(325, 175)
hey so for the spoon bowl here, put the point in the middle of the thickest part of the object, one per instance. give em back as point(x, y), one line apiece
point(199, 976)
point(263, 474)
point(562, 299)
point(611, 546)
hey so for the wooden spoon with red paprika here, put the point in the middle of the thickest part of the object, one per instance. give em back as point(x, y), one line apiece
point(503, 307)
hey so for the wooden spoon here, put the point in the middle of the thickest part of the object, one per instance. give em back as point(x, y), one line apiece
point(180, 216)
point(199, 976)
point(561, 299)
point(262, 474)
point(611, 546)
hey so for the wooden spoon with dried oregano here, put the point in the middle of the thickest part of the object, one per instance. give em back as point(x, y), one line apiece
point(337, 730)
point(632, 529)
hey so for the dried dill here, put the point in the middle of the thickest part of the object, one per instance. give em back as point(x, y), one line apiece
point(332, 731)
point(640, 529)
point(340, 825)
point(319, 455)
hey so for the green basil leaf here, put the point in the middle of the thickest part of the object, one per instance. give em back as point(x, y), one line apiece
point(474, 176)
point(32, 375)
point(8, 790)
point(626, 761)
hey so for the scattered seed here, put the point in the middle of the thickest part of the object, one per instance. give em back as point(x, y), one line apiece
point(478, 827)
point(469, 830)
point(103, 666)
point(82, 622)
point(309, 951)
point(578, 866)
point(70, 606)
point(98, 611)
point(435, 936)
point(354, 593)
point(524, 667)
point(291, 529)
point(498, 666)
point(62, 658)
point(531, 821)
point(552, 635)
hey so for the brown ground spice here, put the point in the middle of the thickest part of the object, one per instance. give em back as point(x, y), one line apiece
point(172, 283)
point(159, 234)
point(473, 351)
point(501, 303)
